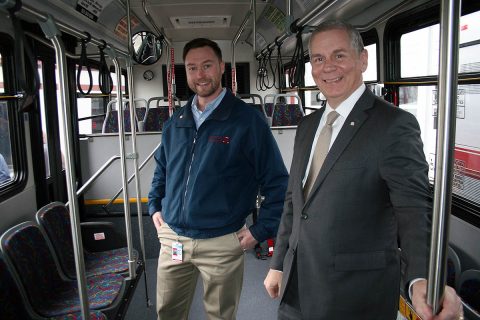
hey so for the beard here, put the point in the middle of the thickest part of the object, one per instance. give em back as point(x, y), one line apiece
point(205, 90)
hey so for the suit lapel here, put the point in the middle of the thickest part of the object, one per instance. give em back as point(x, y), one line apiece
point(352, 124)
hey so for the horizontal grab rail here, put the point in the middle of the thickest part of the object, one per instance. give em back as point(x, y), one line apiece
point(95, 176)
point(132, 176)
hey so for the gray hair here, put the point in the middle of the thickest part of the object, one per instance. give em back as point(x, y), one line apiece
point(355, 37)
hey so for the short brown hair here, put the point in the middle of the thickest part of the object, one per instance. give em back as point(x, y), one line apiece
point(200, 43)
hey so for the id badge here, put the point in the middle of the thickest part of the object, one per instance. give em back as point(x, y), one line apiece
point(177, 251)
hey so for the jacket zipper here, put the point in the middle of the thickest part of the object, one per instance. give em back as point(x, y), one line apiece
point(188, 176)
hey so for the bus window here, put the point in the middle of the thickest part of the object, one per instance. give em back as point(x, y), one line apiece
point(13, 165)
point(44, 114)
point(416, 51)
point(91, 105)
point(417, 48)
point(43, 119)
point(123, 79)
point(311, 99)
point(370, 75)
point(91, 108)
point(468, 60)
point(2, 89)
point(6, 165)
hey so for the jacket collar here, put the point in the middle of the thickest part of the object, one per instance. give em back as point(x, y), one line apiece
point(221, 113)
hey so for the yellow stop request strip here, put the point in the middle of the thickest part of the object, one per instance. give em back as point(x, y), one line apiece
point(406, 310)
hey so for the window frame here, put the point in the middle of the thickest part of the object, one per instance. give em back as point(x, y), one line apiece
point(418, 18)
point(15, 123)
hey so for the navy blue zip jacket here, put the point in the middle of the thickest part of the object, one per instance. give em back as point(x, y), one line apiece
point(206, 181)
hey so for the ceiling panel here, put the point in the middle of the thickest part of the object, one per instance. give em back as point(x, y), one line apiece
point(235, 10)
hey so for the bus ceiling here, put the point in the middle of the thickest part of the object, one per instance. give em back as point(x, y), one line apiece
point(183, 20)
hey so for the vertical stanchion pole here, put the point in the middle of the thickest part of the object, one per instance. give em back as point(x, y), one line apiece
point(121, 137)
point(133, 117)
point(447, 102)
point(64, 121)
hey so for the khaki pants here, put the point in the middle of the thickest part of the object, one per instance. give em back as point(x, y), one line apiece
point(220, 263)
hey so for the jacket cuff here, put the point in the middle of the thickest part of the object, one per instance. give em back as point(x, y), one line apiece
point(258, 232)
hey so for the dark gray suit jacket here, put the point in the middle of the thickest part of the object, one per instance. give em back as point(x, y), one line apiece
point(370, 198)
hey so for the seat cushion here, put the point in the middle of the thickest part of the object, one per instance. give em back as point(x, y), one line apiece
point(112, 261)
point(102, 291)
point(94, 315)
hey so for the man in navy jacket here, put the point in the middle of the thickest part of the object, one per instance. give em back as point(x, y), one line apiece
point(216, 153)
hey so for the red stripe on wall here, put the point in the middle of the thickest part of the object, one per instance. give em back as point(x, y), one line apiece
point(471, 160)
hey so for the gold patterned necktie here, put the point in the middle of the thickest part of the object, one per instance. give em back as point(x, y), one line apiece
point(321, 150)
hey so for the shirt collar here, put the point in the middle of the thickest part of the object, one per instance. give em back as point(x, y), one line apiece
point(210, 106)
point(200, 116)
point(346, 106)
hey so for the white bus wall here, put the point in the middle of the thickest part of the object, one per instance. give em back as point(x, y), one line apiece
point(285, 138)
point(97, 149)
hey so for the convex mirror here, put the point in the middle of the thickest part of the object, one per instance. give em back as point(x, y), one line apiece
point(147, 47)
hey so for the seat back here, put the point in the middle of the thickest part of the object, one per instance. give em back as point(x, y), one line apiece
point(158, 112)
point(453, 268)
point(26, 248)
point(11, 304)
point(94, 315)
point(284, 113)
point(469, 292)
point(55, 221)
point(110, 124)
point(14, 307)
point(155, 118)
point(268, 106)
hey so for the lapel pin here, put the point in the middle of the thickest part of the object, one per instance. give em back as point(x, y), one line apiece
point(352, 123)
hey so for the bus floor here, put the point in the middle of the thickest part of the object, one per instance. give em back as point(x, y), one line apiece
point(255, 304)
point(254, 301)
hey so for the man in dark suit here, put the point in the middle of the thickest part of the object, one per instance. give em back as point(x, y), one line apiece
point(348, 211)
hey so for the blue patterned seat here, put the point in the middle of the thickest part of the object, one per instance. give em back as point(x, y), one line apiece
point(14, 307)
point(94, 315)
point(286, 115)
point(111, 121)
point(110, 124)
point(55, 220)
point(47, 290)
point(155, 118)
